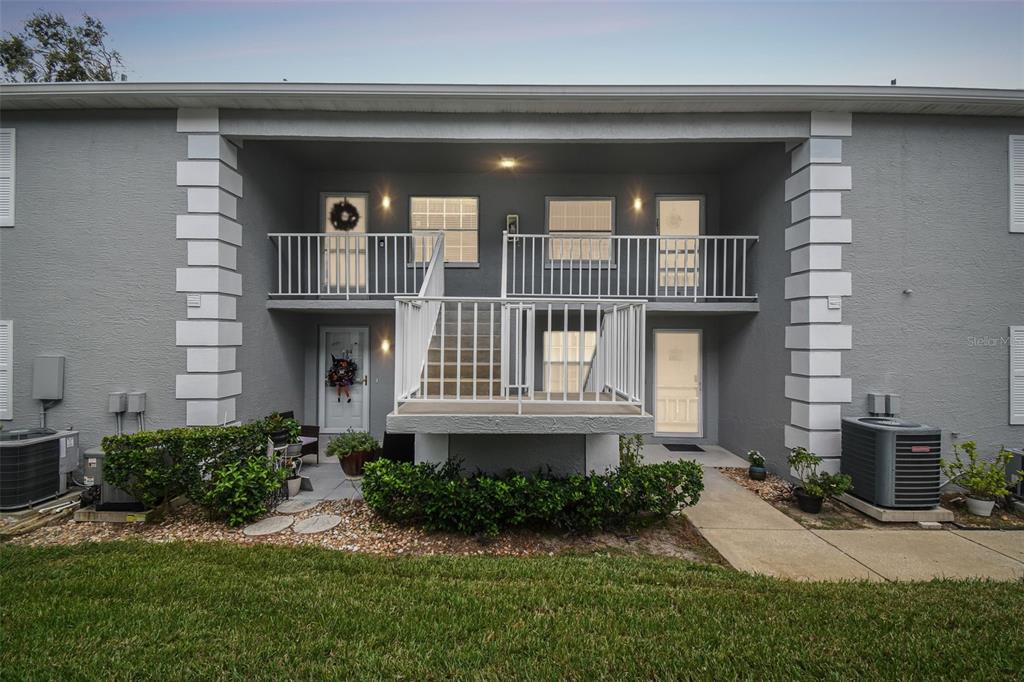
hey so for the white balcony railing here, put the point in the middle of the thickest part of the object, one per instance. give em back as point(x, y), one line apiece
point(519, 353)
point(352, 265)
point(698, 268)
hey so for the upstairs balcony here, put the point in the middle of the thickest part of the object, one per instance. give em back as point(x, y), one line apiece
point(697, 272)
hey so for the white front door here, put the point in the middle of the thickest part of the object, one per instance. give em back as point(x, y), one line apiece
point(677, 384)
point(345, 407)
point(344, 264)
point(680, 221)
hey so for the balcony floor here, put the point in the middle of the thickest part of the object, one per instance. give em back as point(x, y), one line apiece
point(503, 416)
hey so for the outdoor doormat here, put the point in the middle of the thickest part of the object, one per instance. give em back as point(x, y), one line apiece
point(683, 447)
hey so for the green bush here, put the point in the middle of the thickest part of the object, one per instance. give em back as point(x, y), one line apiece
point(815, 483)
point(351, 441)
point(631, 450)
point(440, 498)
point(157, 466)
point(981, 479)
point(239, 490)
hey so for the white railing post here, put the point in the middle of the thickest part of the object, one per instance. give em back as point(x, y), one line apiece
point(504, 263)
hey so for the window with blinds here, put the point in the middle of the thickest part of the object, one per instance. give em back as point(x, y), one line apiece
point(562, 367)
point(457, 217)
point(587, 225)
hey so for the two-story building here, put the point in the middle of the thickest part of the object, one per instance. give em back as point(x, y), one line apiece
point(517, 274)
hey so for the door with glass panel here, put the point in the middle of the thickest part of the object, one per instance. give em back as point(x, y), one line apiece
point(680, 221)
point(344, 257)
point(677, 383)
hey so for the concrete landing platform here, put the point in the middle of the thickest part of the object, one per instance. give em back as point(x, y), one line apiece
point(938, 514)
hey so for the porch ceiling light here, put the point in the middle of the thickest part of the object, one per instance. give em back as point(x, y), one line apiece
point(507, 162)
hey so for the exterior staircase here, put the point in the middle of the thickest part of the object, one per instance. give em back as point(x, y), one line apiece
point(457, 357)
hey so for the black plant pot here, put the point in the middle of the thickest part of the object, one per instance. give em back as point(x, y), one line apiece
point(808, 503)
point(757, 473)
point(280, 437)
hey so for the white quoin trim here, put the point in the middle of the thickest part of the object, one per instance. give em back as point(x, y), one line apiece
point(212, 200)
point(819, 337)
point(819, 283)
point(208, 333)
point(212, 147)
point(7, 167)
point(818, 177)
point(831, 124)
point(1016, 154)
point(816, 150)
point(819, 389)
point(816, 205)
point(211, 307)
point(209, 227)
point(822, 443)
point(816, 363)
point(816, 257)
point(208, 385)
point(807, 310)
point(209, 174)
point(209, 280)
point(815, 415)
point(212, 253)
point(819, 231)
point(210, 412)
point(211, 359)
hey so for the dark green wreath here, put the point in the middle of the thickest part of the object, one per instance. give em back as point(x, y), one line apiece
point(344, 216)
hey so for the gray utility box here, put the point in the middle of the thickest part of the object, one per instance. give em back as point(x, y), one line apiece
point(111, 498)
point(893, 463)
point(48, 377)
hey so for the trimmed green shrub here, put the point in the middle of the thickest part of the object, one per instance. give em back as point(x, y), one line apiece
point(440, 498)
point(239, 490)
point(157, 466)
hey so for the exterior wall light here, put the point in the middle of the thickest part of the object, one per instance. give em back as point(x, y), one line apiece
point(507, 162)
point(386, 201)
point(385, 345)
point(638, 203)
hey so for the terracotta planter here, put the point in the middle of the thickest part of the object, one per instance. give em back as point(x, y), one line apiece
point(980, 507)
point(352, 464)
point(808, 503)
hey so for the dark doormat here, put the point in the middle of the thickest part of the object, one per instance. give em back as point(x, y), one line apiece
point(683, 447)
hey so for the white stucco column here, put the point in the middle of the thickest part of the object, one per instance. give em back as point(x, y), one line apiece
point(209, 280)
point(817, 287)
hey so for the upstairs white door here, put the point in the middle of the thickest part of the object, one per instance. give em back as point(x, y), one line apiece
point(344, 260)
point(345, 407)
point(679, 220)
point(677, 383)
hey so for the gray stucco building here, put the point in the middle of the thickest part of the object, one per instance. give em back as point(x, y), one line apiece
point(730, 265)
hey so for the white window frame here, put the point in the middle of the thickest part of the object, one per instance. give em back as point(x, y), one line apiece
point(7, 219)
point(7, 369)
point(446, 230)
point(547, 364)
point(1015, 157)
point(581, 233)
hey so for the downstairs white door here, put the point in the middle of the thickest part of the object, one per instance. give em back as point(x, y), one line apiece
point(677, 384)
point(344, 407)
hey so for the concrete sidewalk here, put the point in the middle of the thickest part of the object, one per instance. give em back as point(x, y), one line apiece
point(755, 537)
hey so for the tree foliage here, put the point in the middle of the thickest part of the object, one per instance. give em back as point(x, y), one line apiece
point(49, 49)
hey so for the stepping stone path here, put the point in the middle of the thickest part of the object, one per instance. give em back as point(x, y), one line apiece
point(296, 506)
point(317, 524)
point(268, 526)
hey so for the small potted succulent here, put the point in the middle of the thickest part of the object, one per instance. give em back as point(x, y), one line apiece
point(815, 487)
point(985, 482)
point(757, 470)
point(353, 449)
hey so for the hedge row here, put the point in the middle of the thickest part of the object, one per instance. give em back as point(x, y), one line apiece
point(441, 498)
point(223, 469)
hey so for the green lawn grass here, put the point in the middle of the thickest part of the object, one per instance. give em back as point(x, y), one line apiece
point(200, 611)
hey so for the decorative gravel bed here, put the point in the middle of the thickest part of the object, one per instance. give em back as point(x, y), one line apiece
point(361, 530)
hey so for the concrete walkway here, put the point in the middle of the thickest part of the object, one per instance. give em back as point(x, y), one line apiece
point(755, 537)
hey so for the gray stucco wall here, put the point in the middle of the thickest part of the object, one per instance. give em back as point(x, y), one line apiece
point(88, 270)
point(930, 213)
point(753, 360)
point(271, 357)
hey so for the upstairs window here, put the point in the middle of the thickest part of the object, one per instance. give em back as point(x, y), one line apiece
point(586, 223)
point(457, 217)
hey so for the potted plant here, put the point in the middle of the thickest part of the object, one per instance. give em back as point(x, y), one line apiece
point(353, 449)
point(282, 430)
point(757, 470)
point(293, 480)
point(985, 482)
point(815, 487)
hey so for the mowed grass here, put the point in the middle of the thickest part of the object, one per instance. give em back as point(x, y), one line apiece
point(201, 611)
